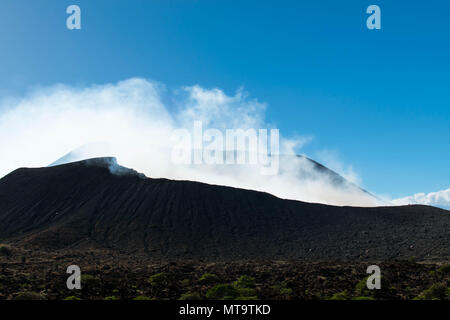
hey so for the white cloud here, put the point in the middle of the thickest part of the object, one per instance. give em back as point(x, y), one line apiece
point(135, 123)
point(439, 199)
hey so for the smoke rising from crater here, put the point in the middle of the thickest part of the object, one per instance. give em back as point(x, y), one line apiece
point(133, 120)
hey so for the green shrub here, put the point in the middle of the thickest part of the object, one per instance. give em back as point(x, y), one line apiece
point(281, 289)
point(386, 291)
point(437, 291)
point(245, 282)
point(185, 282)
point(29, 296)
point(190, 296)
point(445, 269)
point(247, 298)
point(340, 296)
point(412, 259)
point(88, 278)
point(208, 278)
point(222, 292)
point(158, 280)
point(286, 291)
point(139, 298)
point(246, 292)
point(361, 287)
point(110, 298)
point(363, 298)
point(71, 298)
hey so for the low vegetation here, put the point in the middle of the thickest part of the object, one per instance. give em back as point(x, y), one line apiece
point(438, 291)
point(209, 278)
point(29, 296)
point(158, 280)
point(102, 279)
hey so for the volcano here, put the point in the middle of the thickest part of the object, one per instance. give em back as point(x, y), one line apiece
point(91, 204)
point(298, 178)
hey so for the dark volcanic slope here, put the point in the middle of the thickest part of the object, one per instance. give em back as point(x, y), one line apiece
point(81, 205)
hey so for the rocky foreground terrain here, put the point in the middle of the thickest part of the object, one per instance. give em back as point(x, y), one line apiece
point(112, 276)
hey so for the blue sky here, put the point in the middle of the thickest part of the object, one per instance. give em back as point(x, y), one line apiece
point(380, 99)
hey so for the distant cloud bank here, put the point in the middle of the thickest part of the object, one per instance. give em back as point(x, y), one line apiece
point(439, 199)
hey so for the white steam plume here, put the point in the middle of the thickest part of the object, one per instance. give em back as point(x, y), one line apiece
point(133, 120)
